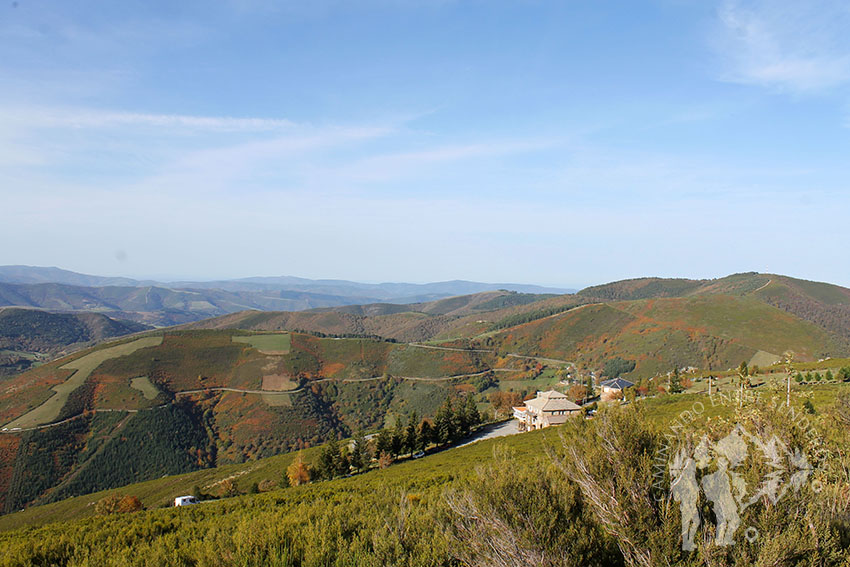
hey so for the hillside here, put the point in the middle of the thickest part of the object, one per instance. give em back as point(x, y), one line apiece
point(710, 332)
point(69, 424)
point(28, 335)
point(444, 319)
point(825, 305)
point(439, 510)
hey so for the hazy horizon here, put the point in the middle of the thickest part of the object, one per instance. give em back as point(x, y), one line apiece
point(174, 279)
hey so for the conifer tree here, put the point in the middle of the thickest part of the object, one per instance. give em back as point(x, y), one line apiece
point(426, 435)
point(357, 456)
point(410, 434)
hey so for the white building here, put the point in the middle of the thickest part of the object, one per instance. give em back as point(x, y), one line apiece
point(547, 409)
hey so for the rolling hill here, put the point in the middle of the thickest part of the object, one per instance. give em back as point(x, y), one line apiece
point(825, 305)
point(109, 415)
point(444, 319)
point(710, 332)
point(28, 336)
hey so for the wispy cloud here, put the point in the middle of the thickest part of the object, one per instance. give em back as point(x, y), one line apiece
point(792, 46)
point(159, 154)
point(57, 117)
point(392, 165)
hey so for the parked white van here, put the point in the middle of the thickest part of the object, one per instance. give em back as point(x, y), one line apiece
point(185, 501)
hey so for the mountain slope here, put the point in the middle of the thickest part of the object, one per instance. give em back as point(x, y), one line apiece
point(25, 333)
point(823, 304)
point(713, 332)
point(234, 396)
point(454, 317)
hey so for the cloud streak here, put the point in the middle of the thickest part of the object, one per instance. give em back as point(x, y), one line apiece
point(801, 47)
point(81, 118)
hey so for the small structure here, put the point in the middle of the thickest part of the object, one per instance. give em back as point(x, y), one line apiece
point(185, 501)
point(613, 389)
point(547, 409)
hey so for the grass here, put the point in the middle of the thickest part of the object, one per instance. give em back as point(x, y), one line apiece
point(144, 385)
point(437, 469)
point(83, 366)
point(272, 343)
point(412, 475)
point(281, 400)
point(664, 410)
point(427, 363)
point(763, 358)
point(543, 382)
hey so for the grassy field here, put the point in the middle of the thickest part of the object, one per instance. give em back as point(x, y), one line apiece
point(663, 410)
point(419, 480)
point(272, 343)
point(83, 367)
point(144, 385)
point(433, 470)
point(545, 381)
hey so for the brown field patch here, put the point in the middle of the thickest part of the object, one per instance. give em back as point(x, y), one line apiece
point(333, 368)
point(278, 383)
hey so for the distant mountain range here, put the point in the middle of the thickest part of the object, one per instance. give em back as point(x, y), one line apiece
point(170, 303)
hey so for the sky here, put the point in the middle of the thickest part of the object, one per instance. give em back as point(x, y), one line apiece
point(563, 143)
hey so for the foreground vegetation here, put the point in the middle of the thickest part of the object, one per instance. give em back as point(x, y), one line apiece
point(588, 493)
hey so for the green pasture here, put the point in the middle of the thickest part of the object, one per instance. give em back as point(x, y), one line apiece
point(83, 367)
point(270, 343)
point(145, 386)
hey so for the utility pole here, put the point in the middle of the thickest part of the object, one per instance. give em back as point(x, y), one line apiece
point(789, 367)
point(741, 377)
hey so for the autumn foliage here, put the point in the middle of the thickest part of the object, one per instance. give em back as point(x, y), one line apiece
point(298, 472)
point(117, 504)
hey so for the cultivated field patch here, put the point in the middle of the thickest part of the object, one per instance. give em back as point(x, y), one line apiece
point(83, 367)
point(271, 343)
point(278, 383)
point(277, 400)
point(764, 358)
point(145, 386)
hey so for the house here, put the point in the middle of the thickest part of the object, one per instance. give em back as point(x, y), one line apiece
point(613, 389)
point(547, 409)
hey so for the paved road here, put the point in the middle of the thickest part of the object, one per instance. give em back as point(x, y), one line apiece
point(499, 430)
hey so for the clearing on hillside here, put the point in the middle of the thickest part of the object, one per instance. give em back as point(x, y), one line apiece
point(145, 386)
point(272, 343)
point(83, 366)
point(279, 400)
point(764, 358)
point(278, 383)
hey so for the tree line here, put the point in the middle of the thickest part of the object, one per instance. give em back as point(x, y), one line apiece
point(453, 421)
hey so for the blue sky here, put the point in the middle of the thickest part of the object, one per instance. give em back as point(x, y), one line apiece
point(561, 143)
